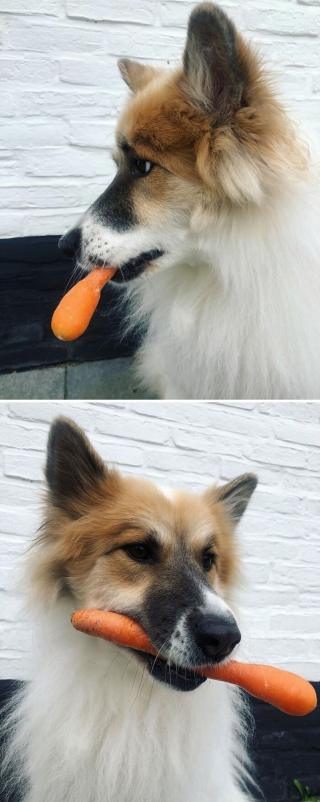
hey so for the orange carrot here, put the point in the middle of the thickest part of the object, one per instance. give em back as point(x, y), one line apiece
point(76, 308)
point(283, 689)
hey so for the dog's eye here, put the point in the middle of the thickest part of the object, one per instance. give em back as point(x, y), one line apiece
point(207, 560)
point(140, 552)
point(139, 167)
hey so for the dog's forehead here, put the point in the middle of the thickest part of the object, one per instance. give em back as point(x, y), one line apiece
point(174, 515)
point(159, 118)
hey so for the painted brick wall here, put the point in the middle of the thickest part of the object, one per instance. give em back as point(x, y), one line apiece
point(61, 91)
point(191, 445)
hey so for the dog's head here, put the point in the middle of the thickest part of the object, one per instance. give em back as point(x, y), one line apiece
point(122, 544)
point(190, 141)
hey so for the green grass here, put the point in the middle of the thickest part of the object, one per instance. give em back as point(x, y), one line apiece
point(305, 794)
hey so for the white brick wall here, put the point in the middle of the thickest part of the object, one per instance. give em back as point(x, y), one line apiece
point(61, 90)
point(191, 445)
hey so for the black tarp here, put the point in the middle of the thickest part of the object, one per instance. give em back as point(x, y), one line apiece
point(33, 277)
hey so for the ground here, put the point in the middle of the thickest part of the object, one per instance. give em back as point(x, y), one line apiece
point(113, 378)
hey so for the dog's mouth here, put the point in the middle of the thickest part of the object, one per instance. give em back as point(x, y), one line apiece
point(134, 267)
point(176, 677)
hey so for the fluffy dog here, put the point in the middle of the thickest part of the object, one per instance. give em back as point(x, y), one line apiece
point(102, 723)
point(214, 213)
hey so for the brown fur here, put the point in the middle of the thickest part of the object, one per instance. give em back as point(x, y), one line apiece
point(216, 146)
point(81, 545)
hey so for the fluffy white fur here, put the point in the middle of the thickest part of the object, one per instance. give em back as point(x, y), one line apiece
point(94, 727)
point(236, 315)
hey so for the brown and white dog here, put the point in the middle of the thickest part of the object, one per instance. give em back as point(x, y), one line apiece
point(214, 213)
point(101, 723)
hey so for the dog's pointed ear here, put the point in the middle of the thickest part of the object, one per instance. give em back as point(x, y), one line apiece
point(211, 62)
point(136, 75)
point(75, 474)
point(236, 495)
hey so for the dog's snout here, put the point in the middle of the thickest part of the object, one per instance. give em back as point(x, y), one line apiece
point(216, 637)
point(70, 242)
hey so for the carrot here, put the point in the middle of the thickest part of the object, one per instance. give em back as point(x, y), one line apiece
point(283, 689)
point(76, 308)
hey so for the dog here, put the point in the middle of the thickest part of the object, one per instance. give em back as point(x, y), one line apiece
point(103, 723)
point(212, 220)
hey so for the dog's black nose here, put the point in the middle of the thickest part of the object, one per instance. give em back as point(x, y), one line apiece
point(70, 242)
point(215, 636)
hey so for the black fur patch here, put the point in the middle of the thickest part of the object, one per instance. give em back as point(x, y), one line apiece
point(178, 590)
point(134, 267)
point(114, 207)
point(177, 677)
point(73, 469)
point(211, 47)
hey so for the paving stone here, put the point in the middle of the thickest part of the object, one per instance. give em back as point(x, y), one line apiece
point(108, 379)
point(36, 384)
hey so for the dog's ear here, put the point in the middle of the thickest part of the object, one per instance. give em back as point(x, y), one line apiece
point(136, 75)
point(211, 62)
point(75, 474)
point(236, 495)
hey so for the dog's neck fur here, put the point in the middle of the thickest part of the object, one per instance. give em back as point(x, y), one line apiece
point(237, 314)
point(115, 736)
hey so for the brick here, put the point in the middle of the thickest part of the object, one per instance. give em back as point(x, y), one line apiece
point(52, 38)
point(29, 135)
point(164, 461)
point(296, 53)
point(19, 494)
point(306, 110)
point(229, 469)
point(45, 412)
point(299, 411)
point(31, 196)
point(9, 162)
point(118, 454)
point(132, 428)
point(96, 72)
point(14, 666)
point(295, 622)
point(22, 522)
point(141, 11)
point(50, 7)
point(28, 70)
point(70, 103)
point(7, 104)
point(197, 440)
point(93, 134)
point(306, 435)
point(15, 637)
point(22, 435)
point(294, 83)
point(257, 572)
point(10, 606)
point(295, 23)
point(302, 483)
point(299, 575)
point(68, 161)
point(24, 465)
point(274, 502)
point(276, 455)
point(132, 42)
point(48, 222)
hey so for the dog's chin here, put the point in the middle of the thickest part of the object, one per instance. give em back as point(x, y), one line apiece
point(176, 677)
